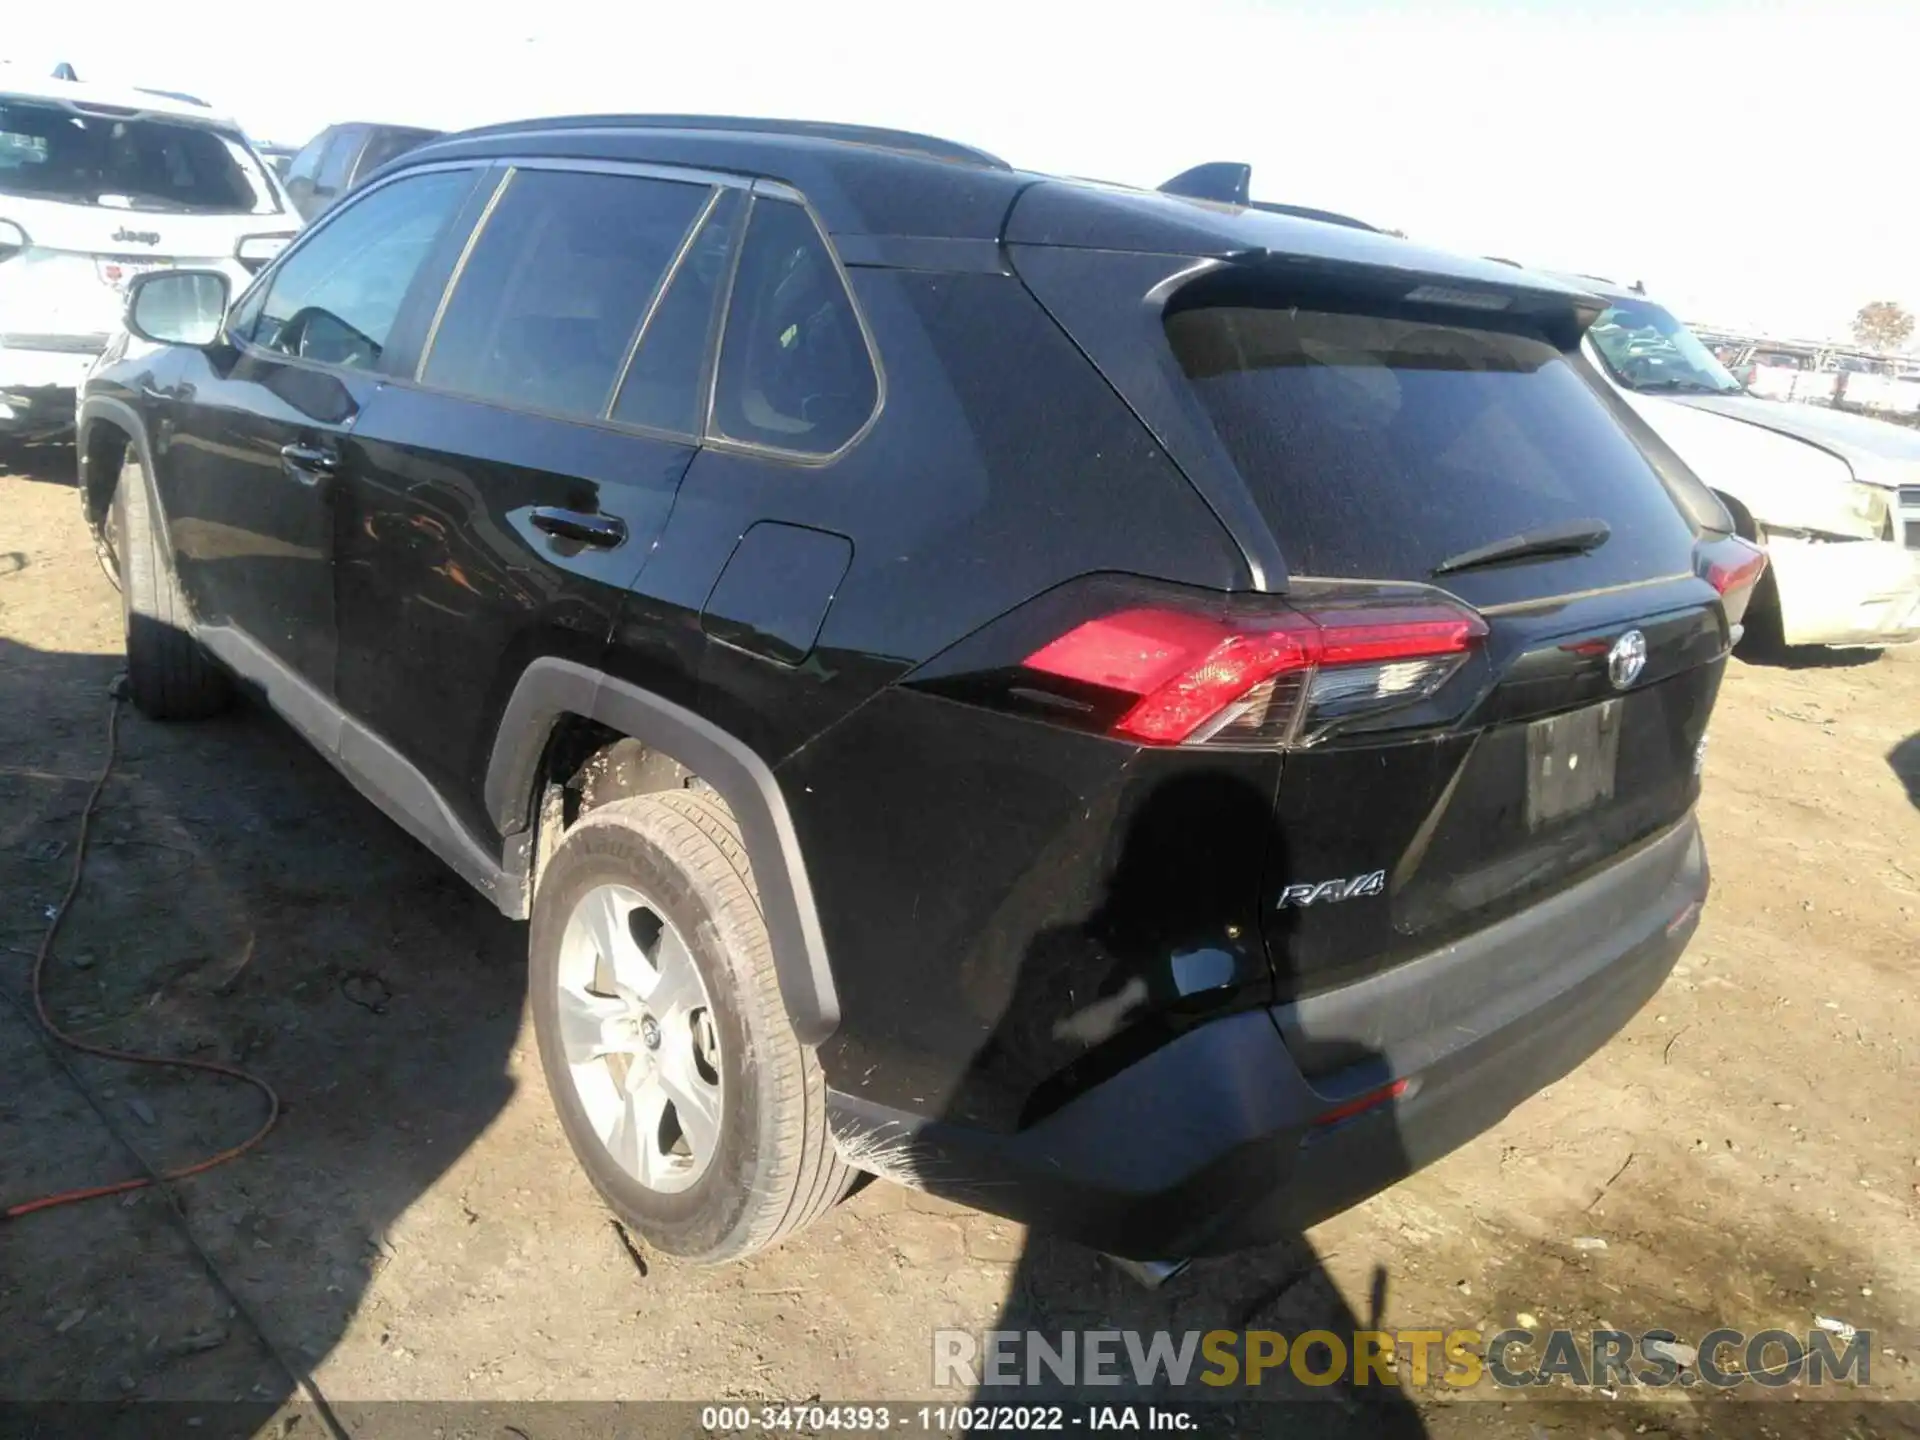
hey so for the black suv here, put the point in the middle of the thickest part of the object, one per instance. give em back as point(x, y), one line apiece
point(1149, 716)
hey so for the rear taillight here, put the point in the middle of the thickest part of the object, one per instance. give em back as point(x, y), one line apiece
point(1192, 678)
point(1733, 567)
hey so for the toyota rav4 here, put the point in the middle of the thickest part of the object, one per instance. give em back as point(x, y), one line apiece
point(1137, 712)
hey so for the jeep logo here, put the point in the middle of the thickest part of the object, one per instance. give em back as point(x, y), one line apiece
point(143, 237)
point(1304, 895)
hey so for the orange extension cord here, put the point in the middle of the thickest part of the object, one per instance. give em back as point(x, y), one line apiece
point(211, 1067)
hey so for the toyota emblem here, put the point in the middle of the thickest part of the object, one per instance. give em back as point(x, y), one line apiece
point(1627, 659)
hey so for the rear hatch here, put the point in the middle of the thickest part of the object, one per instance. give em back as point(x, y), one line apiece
point(1429, 444)
point(102, 194)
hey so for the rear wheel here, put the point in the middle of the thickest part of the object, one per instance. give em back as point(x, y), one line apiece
point(169, 675)
point(695, 1111)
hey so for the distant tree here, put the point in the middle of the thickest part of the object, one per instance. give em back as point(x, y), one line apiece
point(1882, 325)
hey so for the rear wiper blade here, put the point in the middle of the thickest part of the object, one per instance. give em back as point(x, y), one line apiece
point(1575, 537)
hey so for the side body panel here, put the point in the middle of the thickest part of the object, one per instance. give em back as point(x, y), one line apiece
point(254, 533)
point(447, 588)
point(960, 862)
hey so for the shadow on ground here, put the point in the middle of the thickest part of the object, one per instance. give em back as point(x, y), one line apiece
point(242, 904)
point(1905, 760)
point(1807, 657)
point(51, 462)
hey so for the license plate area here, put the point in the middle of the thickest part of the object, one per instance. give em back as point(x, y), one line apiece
point(120, 270)
point(1571, 760)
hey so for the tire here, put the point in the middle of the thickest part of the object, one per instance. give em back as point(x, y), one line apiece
point(1765, 639)
point(773, 1169)
point(169, 675)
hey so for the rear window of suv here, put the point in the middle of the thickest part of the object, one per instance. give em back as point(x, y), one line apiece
point(1377, 447)
point(51, 152)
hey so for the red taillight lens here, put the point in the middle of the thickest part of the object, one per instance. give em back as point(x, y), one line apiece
point(1201, 678)
point(1735, 565)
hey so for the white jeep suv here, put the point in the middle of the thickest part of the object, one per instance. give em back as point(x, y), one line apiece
point(97, 185)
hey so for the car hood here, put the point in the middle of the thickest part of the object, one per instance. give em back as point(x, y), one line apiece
point(1877, 452)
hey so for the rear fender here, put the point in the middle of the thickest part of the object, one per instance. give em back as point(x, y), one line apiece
point(551, 688)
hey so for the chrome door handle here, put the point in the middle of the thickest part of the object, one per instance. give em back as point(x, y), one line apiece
point(602, 531)
point(308, 464)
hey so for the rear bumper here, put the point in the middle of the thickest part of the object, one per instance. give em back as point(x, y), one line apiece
point(38, 385)
point(1210, 1144)
point(1861, 592)
point(37, 409)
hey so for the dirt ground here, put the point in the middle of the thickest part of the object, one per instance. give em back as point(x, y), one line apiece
point(1748, 1148)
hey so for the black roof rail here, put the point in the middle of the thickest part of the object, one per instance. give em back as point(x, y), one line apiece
point(878, 137)
point(1229, 182)
point(1225, 182)
point(1502, 260)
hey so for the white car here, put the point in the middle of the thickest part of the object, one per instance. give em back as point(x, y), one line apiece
point(97, 185)
point(1834, 498)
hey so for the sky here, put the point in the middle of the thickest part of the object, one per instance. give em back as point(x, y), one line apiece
point(1755, 164)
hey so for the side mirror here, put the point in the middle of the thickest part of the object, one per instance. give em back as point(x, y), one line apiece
point(254, 251)
point(178, 307)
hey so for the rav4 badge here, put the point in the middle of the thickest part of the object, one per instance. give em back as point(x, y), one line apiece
point(1371, 884)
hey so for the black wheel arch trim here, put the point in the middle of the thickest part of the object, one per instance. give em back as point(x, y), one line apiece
point(550, 688)
point(125, 418)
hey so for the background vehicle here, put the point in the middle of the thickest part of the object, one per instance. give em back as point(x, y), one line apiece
point(98, 185)
point(278, 156)
point(1834, 498)
point(341, 156)
point(1773, 374)
point(1148, 715)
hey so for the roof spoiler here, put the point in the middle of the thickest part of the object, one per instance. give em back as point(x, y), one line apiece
point(1229, 182)
point(1224, 181)
point(181, 96)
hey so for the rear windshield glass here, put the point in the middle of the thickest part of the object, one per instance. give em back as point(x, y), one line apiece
point(49, 152)
point(1380, 447)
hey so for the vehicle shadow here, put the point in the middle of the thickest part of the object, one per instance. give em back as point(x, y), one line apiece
point(52, 462)
point(1160, 902)
point(1805, 657)
point(243, 904)
point(1905, 760)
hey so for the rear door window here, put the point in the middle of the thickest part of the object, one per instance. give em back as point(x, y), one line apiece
point(334, 299)
point(795, 373)
point(1379, 447)
point(554, 290)
point(665, 385)
point(49, 152)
